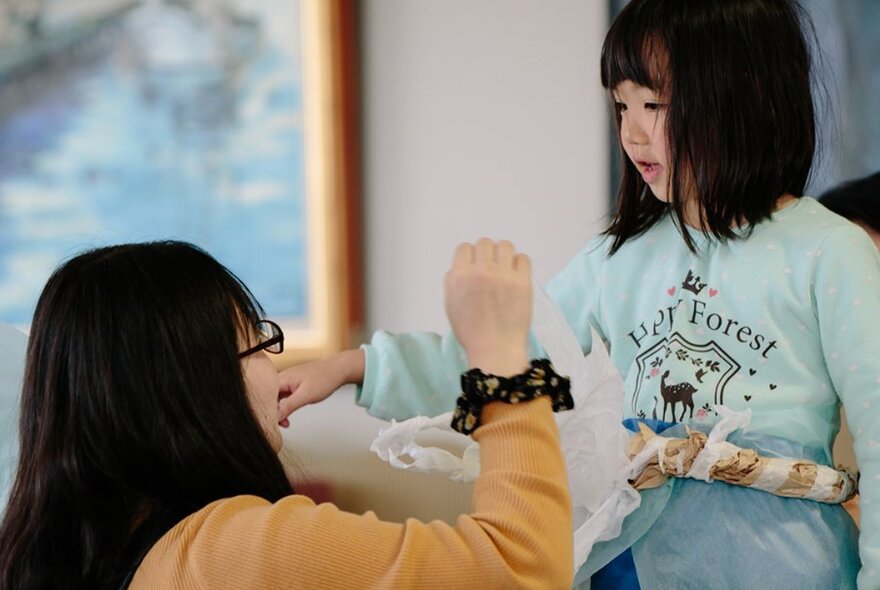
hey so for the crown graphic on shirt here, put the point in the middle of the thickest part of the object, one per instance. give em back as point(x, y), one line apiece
point(692, 283)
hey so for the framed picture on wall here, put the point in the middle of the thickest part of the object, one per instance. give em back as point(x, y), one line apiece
point(231, 124)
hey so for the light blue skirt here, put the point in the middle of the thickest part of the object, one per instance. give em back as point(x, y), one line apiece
point(692, 534)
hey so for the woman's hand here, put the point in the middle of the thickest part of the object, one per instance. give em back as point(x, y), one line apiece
point(313, 382)
point(489, 305)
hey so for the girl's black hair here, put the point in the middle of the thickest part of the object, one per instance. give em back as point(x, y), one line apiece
point(134, 412)
point(857, 200)
point(741, 129)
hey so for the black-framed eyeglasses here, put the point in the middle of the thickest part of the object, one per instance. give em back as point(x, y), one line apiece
point(269, 338)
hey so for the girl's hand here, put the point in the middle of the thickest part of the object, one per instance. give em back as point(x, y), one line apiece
point(489, 304)
point(313, 382)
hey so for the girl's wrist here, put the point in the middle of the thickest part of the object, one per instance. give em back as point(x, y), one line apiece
point(351, 364)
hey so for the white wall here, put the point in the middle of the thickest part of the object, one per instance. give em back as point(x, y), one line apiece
point(481, 117)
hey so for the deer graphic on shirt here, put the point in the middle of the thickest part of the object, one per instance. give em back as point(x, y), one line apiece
point(672, 394)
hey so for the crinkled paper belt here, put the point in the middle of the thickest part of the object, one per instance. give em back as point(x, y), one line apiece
point(698, 457)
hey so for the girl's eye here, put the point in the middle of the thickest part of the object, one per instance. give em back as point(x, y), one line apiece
point(619, 107)
point(653, 106)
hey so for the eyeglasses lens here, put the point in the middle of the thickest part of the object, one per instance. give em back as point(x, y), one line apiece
point(269, 331)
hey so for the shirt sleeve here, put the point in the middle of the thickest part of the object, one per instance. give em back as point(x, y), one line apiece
point(576, 290)
point(846, 292)
point(412, 374)
point(417, 373)
point(518, 536)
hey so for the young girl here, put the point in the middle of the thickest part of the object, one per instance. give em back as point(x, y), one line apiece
point(715, 284)
point(149, 443)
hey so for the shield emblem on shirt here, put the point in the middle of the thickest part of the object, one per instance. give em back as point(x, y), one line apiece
point(674, 368)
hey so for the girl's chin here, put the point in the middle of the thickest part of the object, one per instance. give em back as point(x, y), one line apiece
point(662, 196)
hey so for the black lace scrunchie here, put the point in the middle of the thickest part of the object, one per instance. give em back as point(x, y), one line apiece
point(479, 389)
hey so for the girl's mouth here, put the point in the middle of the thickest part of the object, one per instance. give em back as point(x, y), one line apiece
point(650, 171)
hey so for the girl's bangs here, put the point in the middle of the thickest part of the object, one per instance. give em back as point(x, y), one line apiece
point(634, 51)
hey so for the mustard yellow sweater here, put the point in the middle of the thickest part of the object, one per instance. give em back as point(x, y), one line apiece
point(518, 536)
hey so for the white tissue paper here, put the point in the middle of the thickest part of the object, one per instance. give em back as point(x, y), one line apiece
point(594, 441)
point(13, 344)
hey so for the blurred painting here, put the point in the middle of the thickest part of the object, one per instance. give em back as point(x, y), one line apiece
point(138, 120)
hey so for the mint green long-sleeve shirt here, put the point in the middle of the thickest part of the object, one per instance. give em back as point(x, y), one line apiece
point(785, 321)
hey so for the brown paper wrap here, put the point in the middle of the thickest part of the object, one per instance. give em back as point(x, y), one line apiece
point(741, 467)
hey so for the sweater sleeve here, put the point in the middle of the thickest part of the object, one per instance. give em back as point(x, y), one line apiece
point(846, 293)
point(518, 536)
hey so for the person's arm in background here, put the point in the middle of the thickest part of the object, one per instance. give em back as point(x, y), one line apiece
point(398, 376)
point(417, 373)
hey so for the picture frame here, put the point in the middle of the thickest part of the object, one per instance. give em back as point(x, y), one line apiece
point(333, 183)
point(232, 125)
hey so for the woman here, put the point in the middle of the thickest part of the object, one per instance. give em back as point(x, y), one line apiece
point(149, 441)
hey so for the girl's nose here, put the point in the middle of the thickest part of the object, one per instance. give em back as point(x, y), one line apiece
point(632, 131)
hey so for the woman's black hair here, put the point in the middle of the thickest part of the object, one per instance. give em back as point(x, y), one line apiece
point(857, 200)
point(741, 128)
point(134, 412)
